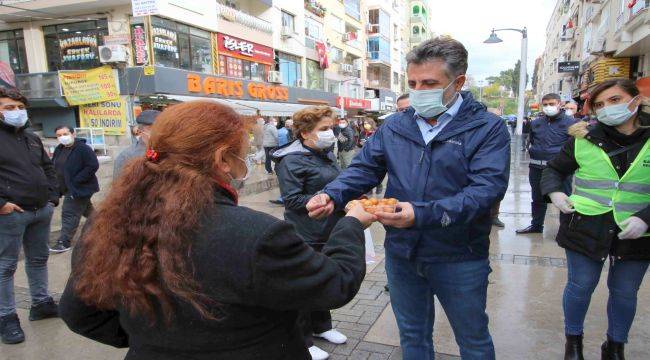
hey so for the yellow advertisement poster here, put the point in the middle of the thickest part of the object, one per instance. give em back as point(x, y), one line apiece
point(108, 115)
point(89, 86)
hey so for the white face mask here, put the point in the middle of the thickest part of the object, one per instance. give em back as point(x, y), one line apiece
point(569, 112)
point(551, 110)
point(325, 139)
point(236, 183)
point(343, 125)
point(65, 140)
point(15, 118)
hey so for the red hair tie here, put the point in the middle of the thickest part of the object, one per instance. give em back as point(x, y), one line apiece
point(152, 155)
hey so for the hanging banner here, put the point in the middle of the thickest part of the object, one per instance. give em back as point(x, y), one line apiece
point(140, 46)
point(323, 61)
point(89, 86)
point(244, 49)
point(108, 115)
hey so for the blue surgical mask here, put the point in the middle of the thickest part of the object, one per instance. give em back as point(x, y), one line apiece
point(428, 103)
point(614, 115)
point(238, 184)
point(15, 118)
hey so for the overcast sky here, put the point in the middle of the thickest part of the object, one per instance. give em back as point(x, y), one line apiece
point(470, 22)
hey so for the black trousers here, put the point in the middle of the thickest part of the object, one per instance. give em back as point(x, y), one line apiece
point(539, 205)
point(314, 322)
point(267, 156)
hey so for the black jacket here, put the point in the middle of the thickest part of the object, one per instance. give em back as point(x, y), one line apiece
point(27, 176)
point(302, 173)
point(259, 270)
point(350, 142)
point(597, 236)
point(79, 170)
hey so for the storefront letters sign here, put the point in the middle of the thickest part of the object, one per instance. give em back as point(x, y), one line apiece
point(78, 48)
point(165, 40)
point(233, 46)
point(140, 50)
point(350, 103)
point(89, 86)
point(107, 115)
point(145, 7)
point(235, 88)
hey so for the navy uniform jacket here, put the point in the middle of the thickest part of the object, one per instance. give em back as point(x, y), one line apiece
point(548, 135)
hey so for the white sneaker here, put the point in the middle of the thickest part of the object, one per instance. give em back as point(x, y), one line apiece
point(333, 336)
point(317, 353)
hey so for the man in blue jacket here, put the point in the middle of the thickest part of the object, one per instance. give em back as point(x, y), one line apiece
point(548, 134)
point(76, 165)
point(447, 161)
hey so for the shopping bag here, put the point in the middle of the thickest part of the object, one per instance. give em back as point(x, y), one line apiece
point(370, 247)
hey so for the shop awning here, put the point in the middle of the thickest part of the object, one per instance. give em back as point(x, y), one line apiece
point(249, 107)
point(240, 109)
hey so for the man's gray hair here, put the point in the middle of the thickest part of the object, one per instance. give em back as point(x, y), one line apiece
point(444, 48)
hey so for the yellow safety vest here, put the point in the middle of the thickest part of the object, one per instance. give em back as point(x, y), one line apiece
point(599, 189)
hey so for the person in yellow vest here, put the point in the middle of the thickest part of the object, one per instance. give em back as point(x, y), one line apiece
point(608, 213)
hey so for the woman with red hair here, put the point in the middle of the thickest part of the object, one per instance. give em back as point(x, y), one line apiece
point(172, 268)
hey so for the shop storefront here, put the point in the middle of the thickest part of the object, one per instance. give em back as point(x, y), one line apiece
point(12, 50)
point(74, 46)
point(350, 106)
point(242, 59)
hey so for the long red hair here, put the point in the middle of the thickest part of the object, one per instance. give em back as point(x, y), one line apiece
point(136, 251)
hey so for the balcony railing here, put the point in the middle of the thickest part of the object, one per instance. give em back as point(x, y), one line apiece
point(39, 85)
point(419, 18)
point(242, 18)
point(418, 38)
point(640, 6)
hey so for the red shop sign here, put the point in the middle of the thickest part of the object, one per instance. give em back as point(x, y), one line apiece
point(244, 49)
point(349, 103)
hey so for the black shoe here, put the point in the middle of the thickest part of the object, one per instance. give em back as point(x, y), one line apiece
point(498, 223)
point(60, 248)
point(531, 230)
point(612, 350)
point(386, 288)
point(44, 310)
point(573, 348)
point(276, 202)
point(10, 329)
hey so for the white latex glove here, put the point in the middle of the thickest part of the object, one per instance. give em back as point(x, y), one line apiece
point(633, 227)
point(562, 202)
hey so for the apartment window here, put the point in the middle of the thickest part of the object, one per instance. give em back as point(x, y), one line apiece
point(416, 10)
point(290, 69)
point(337, 24)
point(313, 32)
point(379, 49)
point(333, 86)
point(315, 76)
point(335, 54)
point(353, 8)
point(74, 46)
point(12, 50)
point(243, 69)
point(289, 21)
point(395, 78)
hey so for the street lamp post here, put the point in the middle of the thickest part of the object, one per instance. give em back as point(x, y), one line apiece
point(493, 39)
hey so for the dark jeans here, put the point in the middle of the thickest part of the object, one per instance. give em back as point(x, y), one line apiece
point(267, 162)
point(461, 288)
point(538, 206)
point(314, 322)
point(72, 211)
point(623, 281)
point(31, 229)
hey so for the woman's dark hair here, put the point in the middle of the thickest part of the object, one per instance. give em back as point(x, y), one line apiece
point(136, 251)
point(13, 94)
point(626, 85)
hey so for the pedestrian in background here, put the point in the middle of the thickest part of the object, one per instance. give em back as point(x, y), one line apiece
point(270, 142)
point(173, 268)
point(285, 136)
point(367, 128)
point(346, 143)
point(76, 166)
point(448, 161)
point(144, 122)
point(305, 168)
point(525, 131)
point(571, 109)
point(28, 194)
point(607, 215)
point(548, 133)
point(258, 140)
point(403, 102)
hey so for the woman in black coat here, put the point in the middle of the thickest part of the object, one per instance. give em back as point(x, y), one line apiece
point(171, 266)
point(613, 158)
point(304, 168)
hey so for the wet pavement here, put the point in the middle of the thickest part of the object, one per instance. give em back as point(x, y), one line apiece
point(524, 299)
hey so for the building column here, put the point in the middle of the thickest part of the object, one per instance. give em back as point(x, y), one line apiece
point(35, 48)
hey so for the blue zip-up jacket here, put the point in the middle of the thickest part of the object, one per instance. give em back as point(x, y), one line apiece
point(548, 135)
point(452, 182)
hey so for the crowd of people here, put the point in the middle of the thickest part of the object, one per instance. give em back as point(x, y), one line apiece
point(170, 266)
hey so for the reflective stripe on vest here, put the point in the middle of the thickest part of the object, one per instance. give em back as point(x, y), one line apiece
point(600, 190)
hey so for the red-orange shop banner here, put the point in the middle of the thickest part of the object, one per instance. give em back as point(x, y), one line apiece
point(350, 103)
point(244, 49)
